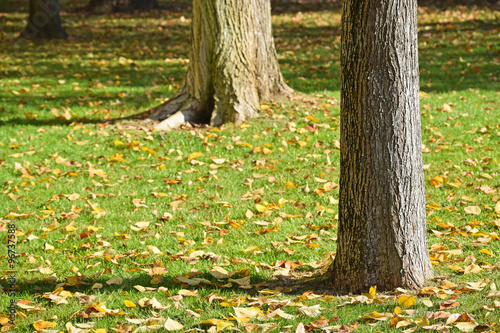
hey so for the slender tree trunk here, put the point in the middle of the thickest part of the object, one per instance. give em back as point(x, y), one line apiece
point(113, 6)
point(382, 224)
point(232, 65)
point(44, 21)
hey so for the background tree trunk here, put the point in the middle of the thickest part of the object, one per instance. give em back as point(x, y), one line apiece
point(382, 229)
point(44, 21)
point(232, 65)
point(113, 6)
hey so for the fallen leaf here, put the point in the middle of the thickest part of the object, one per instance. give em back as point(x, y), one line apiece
point(406, 301)
point(475, 210)
point(41, 325)
point(172, 325)
point(193, 156)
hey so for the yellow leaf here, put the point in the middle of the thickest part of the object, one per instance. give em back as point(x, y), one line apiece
point(69, 228)
point(260, 208)
point(193, 156)
point(290, 185)
point(472, 269)
point(433, 206)
point(115, 280)
point(475, 210)
point(156, 280)
point(245, 314)
point(467, 326)
point(223, 325)
point(371, 293)
point(487, 252)
point(403, 323)
point(149, 150)
point(267, 151)
point(41, 324)
point(218, 160)
point(427, 303)
point(252, 249)
point(172, 325)
point(312, 119)
point(445, 284)
point(118, 143)
point(497, 207)
point(373, 316)
point(437, 181)
point(446, 107)
point(129, 304)
point(455, 267)
point(422, 322)
point(219, 272)
point(248, 214)
point(73, 196)
point(406, 301)
point(210, 322)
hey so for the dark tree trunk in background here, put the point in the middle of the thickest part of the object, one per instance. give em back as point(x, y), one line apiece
point(44, 21)
point(113, 6)
point(382, 222)
point(232, 65)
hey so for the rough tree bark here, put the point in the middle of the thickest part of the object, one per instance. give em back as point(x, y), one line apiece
point(44, 21)
point(382, 223)
point(113, 6)
point(232, 65)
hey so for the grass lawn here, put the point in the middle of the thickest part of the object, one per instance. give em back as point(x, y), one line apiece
point(121, 229)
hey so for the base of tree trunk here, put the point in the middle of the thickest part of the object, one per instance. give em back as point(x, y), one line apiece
point(233, 66)
point(177, 111)
point(44, 21)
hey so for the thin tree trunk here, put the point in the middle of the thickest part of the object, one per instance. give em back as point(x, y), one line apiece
point(382, 224)
point(233, 65)
point(44, 21)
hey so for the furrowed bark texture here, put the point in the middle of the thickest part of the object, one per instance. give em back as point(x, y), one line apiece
point(233, 64)
point(44, 21)
point(382, 223)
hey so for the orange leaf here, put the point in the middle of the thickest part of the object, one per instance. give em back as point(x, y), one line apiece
point(41, 324)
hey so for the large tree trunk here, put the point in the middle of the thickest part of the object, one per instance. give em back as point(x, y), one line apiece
point(382, 223)
point(232, 65)
point(44, 21)
point(113, 6)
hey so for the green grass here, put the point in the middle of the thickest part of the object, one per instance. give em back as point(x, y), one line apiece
point(53, 144)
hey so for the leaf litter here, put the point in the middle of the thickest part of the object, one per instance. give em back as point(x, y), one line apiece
point(214, 229)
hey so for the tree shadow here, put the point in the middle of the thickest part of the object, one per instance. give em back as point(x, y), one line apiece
point(294, 6)
point(85, 285)
point(446, 4)
point(49, 122)
point(449, 66)
point(309, 58)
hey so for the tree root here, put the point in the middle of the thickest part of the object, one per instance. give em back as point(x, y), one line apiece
point(170, 107)
point(179, 111)
point(172, 114)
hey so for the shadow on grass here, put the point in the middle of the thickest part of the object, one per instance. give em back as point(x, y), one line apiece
point(143, 280)
point(48, 122)
point(309, 57)
point(461, 64)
